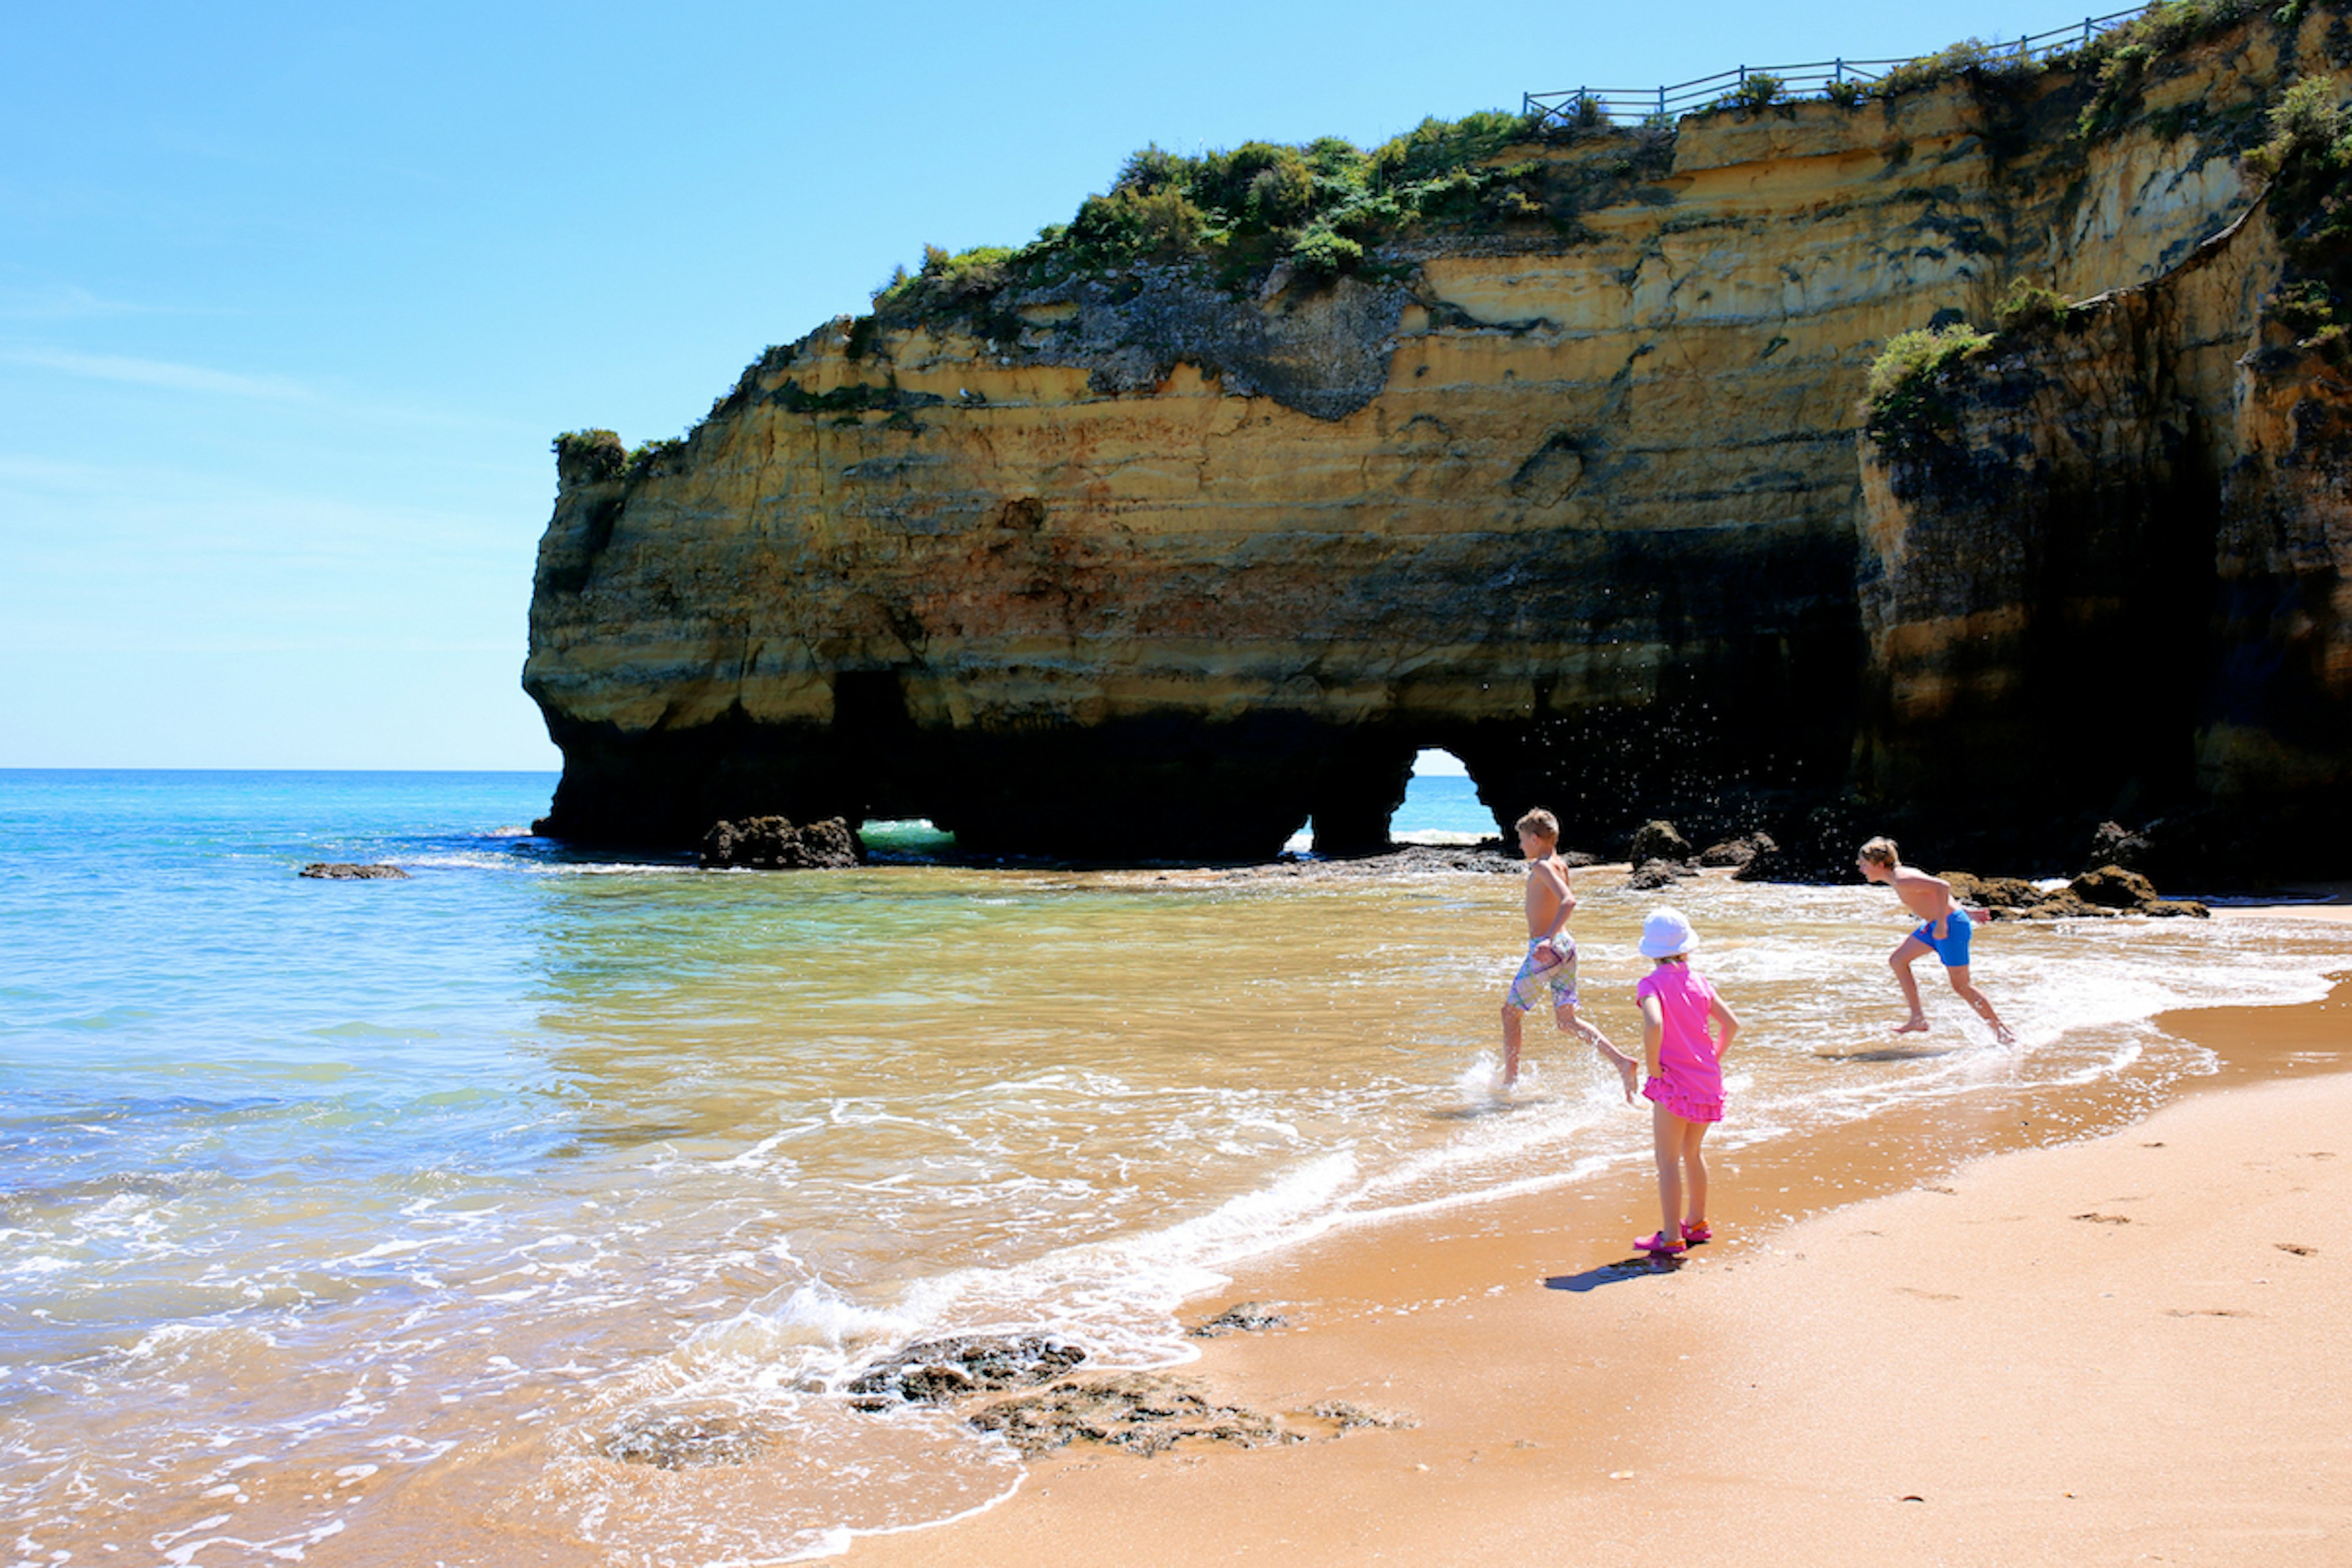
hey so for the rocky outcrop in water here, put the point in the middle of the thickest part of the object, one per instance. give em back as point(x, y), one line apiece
point(774, 844)
point(685, 1440)
point(2106, 890)
point(1136, 566)
point(939, 1371)
point(345, 872)
point(1143, 1412)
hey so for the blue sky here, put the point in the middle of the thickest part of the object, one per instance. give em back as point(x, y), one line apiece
point(292, 298)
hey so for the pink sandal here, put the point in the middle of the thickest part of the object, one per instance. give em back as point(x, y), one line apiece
point(1657, 1246)
point(1697, 1231)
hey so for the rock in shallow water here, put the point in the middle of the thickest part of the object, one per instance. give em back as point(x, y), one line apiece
point(341, 872)
point(1738, 851)
point(774, 844)
point(1657, 841)
point(1652, 875)
point(678, 1441)
point(937, 1371)
point(2109, 890)
point(1143, 1412)
point(1246, 1318)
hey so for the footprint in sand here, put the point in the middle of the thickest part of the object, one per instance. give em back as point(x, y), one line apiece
point(2296, 1248)
point(2106, 1219)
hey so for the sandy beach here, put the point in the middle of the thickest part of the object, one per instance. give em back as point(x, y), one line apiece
point(1912, 1342)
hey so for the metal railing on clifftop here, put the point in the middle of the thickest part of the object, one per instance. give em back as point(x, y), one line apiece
point(1665, 103)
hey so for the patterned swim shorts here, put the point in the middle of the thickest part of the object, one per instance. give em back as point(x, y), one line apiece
point(1529, 985)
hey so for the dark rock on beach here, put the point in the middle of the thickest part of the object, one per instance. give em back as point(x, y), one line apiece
point(1652, 875)
point(1246, 1318)
point(1817, 848)
point(2109, 890)
point(774, 844)
point(938, 1371)
point(2113, 887)
point(341, 871)
point(1347, 1417)
point(1657, 841)
point(1736, 852)
point(1143, 1412)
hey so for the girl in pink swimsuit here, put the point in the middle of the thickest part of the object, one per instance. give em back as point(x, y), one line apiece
point(1685, 1082)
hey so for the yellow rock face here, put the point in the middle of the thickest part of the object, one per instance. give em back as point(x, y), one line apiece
point(1582, 508)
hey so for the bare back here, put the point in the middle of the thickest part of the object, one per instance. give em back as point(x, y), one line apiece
point(1929, 897)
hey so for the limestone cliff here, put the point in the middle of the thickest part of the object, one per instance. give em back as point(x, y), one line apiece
point(2121, 563)
point(1140, 564)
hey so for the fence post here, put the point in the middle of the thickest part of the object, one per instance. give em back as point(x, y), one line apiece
point(1839, 74)
point(2086, 32)
point(1661, 100)
point(1743, 76)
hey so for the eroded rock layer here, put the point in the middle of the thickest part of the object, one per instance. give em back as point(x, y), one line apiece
point(1141, 568)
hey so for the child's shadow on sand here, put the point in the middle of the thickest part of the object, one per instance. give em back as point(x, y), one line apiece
point(1612, 1274)
point(1488, 1105)
point(1890, 1054)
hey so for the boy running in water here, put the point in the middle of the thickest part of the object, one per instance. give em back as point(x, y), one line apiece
point(1945, 934)
point(1550, 963)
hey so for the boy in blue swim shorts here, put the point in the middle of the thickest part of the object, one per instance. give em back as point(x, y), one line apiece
point(1549, 965)
point(1945, 933)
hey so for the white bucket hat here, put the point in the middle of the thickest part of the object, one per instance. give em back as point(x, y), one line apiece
point(1667, 934)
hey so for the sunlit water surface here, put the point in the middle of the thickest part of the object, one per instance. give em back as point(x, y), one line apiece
point(315, 1190)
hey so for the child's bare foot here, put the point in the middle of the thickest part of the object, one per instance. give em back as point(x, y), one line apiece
point(2004, 1034)
point(1916, 1027)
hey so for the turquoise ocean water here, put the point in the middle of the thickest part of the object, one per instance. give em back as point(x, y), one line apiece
point(333, 1207)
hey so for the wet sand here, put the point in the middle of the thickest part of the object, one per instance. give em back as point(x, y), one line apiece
point(2018, 1332)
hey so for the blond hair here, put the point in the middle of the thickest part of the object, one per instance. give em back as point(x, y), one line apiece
point(1540, 823)
point(1881, 852)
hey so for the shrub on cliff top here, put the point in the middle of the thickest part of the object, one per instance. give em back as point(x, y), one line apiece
point(1970, 56)
point(2027, 303)
point(1757, 91)
point(588, 457)
point(655, 457)
point(1908, 391)
point(1915, 356)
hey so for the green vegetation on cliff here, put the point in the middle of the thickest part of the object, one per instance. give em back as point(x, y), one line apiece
point(1323, 208)
point(594, 457)
point(1911, 387)
point(2308, 162)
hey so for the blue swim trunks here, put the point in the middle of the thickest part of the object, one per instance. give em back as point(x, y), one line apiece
point(1954, 949)
point(1534, 978)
